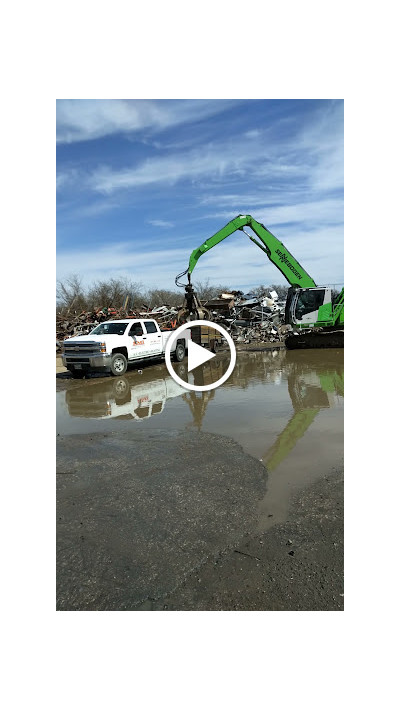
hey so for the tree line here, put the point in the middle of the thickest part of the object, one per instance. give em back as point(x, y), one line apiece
point(122, 292)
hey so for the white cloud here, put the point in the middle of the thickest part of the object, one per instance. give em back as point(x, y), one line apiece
point(94, 209)
point(253, 200)
point(286, 170)
point(160, 223)
point(329, 173)
point(67, 177)
point(313, 160)
point(254, 133)
point(154, 268)
point(216, 161)
point(322, 142)
point(88, 119)
point(316, 212)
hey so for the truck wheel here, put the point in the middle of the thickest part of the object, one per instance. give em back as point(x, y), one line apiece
point(179, 352)
point(119, 364)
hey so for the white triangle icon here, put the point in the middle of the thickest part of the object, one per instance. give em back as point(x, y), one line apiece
point(197, 355)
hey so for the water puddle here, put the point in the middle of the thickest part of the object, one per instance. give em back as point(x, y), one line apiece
point(283, 407)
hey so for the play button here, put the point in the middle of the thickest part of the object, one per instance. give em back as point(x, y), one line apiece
point(197, 355)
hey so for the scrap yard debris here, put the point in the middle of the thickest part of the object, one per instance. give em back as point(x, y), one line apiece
point(249, 318)
point(246, 317)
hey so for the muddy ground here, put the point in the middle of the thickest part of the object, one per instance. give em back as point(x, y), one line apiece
point(165, 520)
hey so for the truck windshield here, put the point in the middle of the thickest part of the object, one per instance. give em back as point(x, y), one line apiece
point(114, 328)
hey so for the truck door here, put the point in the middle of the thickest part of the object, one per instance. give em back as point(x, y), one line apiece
point(137, 347)
point(154, 341)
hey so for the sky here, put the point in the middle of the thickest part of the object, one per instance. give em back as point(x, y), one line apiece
point(141, 183)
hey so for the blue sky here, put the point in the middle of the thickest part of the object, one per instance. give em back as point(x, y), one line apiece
point(141, 183)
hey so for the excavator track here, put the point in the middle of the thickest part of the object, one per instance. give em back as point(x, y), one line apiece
point(320, 338)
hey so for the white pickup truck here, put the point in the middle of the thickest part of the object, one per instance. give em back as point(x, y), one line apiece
point(112, 345)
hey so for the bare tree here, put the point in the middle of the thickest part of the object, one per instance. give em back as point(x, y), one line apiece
point(119, 293)
point(70, 294)
point(206, 291)
point(158, 297)
point(261, 291)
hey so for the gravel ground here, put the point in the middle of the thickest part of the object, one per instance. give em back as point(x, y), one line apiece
point(165, 520)
point(297, 565)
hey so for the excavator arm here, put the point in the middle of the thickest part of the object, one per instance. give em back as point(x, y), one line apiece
point(307, 306)
point(273, 248)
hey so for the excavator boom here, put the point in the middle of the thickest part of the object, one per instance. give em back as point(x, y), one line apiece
point(275, 250)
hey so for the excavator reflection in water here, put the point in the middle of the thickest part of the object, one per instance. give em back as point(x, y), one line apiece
point(312, 386)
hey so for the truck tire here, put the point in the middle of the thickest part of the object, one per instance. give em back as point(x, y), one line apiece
point(119, 364)
point(180, 352)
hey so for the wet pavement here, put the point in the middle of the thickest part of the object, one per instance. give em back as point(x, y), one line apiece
point(165, 481)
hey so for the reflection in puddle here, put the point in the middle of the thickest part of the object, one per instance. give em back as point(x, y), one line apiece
point(283, 407)
point(119, 398)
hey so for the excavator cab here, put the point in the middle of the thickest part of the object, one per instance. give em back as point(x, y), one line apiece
point(308, 302)
point(307, 307)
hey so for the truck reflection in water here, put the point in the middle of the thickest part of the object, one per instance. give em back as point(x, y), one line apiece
point(140, 396)
point(134, 397)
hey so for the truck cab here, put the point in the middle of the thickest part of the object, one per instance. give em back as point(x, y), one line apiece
point(112, 345)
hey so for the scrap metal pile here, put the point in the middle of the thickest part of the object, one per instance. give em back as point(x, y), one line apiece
point(246, 317)
point(249, 318)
